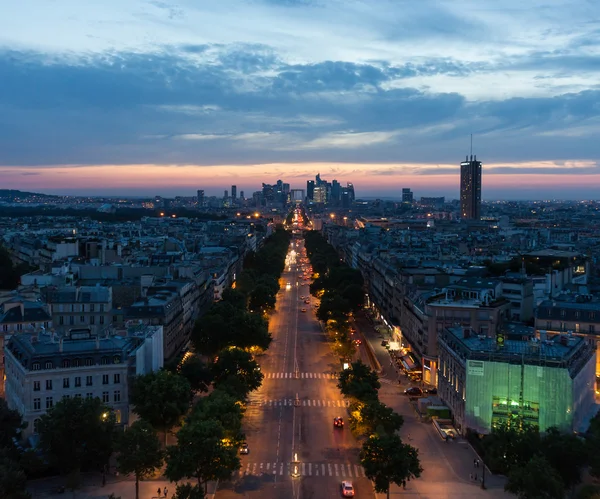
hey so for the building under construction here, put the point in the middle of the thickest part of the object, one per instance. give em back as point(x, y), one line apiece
point(489, 380)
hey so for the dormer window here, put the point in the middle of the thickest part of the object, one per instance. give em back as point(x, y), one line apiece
point(36, 366)
point(116, 359)
point(89, 362)
point(563, 312)
point(66, 363)
point(49, 364)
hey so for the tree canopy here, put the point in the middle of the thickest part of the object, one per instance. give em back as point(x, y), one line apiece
point(359, 382)
point(235, 362)
point(536, 480)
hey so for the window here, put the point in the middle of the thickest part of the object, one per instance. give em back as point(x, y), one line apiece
point(77, 381)
point(36, 424)
point(5, 327)
point(104, 360)
point(91, 307)
point(76, 362)
point(48, 364)
point(66, 397)
point(563, 312)
point(117, 396)
point(71, 320)
point(92, 320)
point(48, 384)
point(89, 395)
point(36, 366)
point(36, 386)
point(82, 319)
point(101, 319)
point(592, 316)
point(102, 307)
point(89, 362)
point(19, 327)
point(116, 359)
point(72, 307)
point(105, 379)
point(117, 378)
point(592, 329)
point(49, 403)
point(88, 381)
point(105, 397)
point(65, 382)
point(66, 363)
point(37, 404)
point(78, 396)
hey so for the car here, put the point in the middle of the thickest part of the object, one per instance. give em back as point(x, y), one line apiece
point(431, 391)
point(413, 391)
point(385, 343)
point(307, 302)
point(338, 422)
point(347, 489)
point(303, 310)
point(244, 449)
point(358, 342)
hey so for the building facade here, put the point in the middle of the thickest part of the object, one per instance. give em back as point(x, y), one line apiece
point(470, 189)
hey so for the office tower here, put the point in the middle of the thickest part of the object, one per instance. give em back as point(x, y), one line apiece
point(336, 191)
point(470, 188)
point(233, 192)
point(310, 188)
point(345, 197)
point(200, 197)
point(318, 179)
point(242, 195)
point(430, 202)
point(297, 195)
point(320, 194)
point(225, 194)
point(407, 196)
point(350, 188)
point(268, 192)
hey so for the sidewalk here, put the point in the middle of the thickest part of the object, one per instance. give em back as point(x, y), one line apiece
point(449, 469)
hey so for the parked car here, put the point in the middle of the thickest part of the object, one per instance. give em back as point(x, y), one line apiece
point(338, 422)
point(413, 391)
point(431, 391)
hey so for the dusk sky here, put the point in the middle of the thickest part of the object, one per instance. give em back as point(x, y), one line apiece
point(118, 97)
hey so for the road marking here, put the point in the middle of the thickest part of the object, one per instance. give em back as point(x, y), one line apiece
point(271, 403)
point(288, 375)
point(340, 470)
point(336, 469)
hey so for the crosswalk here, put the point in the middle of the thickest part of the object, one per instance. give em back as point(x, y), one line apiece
point(340, 470)
point(299, 403)
point(301, 375)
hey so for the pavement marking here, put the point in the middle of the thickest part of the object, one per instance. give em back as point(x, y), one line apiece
point(271, 403)
point(289, 375)
point(339, 470)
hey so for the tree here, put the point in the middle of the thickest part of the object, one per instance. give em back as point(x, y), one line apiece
point(507, 446)
point(77, 433)
point(202, 452)
point(197, 373)
point(237, 363)
point(235, 297)
point(13, 481)
point(211, 331)
point(387, 460)
point(11, 424)
point(139, 452)
point(333, 306)
point(536, 480)
point(188, 491)
point(222, 407)
point(359, 381)
point(355, 296)
point(261, 297)
point(161, 398)
point(380, 418)
point(566, 453)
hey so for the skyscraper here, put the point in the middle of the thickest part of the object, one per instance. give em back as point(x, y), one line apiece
point(233, 192)
point(470, 188)
point(200, 198)
point(310, 188)
point(407, 196)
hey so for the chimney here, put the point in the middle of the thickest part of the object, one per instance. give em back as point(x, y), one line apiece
point(466, 332)
point(60, 344)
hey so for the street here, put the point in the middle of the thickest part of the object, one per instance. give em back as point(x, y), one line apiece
point(295, 452)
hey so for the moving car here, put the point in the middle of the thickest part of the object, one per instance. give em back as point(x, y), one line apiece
point(338, 422)
point(303, 310)
point(358, 342)
point(307, 302)
point(413, 391)
point(347, 489)
point(244, 449)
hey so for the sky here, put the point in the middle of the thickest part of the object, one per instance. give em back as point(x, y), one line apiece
point(138, 97)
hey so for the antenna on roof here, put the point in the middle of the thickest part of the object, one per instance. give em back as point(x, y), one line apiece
point(471, 145)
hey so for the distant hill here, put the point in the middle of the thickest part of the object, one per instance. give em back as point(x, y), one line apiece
point(15, 194)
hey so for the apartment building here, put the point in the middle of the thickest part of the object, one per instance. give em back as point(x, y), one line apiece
point(80, 307)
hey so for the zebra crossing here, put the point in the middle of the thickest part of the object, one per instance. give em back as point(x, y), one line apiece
point(299, 403)
point(340, 470)
point(301, 376)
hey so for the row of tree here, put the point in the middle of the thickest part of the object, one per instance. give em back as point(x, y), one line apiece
point(385, 458)
point(10, 274)
point(541, 464)
point(340, 289)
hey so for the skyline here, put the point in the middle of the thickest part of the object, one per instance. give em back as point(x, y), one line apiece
point(92, 94)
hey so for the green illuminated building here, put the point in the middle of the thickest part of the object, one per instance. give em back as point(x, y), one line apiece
point(487, 380)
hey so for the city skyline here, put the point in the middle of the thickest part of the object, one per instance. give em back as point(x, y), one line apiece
point(131, 98)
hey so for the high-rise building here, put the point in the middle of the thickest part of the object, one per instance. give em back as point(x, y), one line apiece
point(233, 192)
point(470, 188)
point(407, 196)
point(310, 188)
point(242, 195)
point(320, 194)
point(350, 188)
point(200, 198)
point(336, 192)
point(345, 200)
point(225, 194)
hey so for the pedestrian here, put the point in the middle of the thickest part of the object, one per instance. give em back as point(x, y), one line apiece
point(474, 463)
point(166, 491)
point(478, 462)
point(471, 476)
point(159, 492)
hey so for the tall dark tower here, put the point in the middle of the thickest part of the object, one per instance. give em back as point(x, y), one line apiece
point(233, 192)
point(310, 189)
point(470, 188)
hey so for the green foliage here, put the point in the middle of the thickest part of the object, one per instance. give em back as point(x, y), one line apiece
point(197, 373)
point(381, 419)
point(235, 362)
point(235, 297)
point(11, 424)
point(202, 452)
point(566, 453)
point(507, 447)
point(262, 298)
point(355, 296)
point(10, 274)
point(139, 452)
point(387, 460)
point(77, 433)
point(589, 492)
point(359, 382)
point(13, 480)
point(161, 398)
point(333, 307)
point(189, 491)
point(536, 480)
point(222, 407)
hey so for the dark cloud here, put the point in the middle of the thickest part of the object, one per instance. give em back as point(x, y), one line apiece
point(135, 108)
